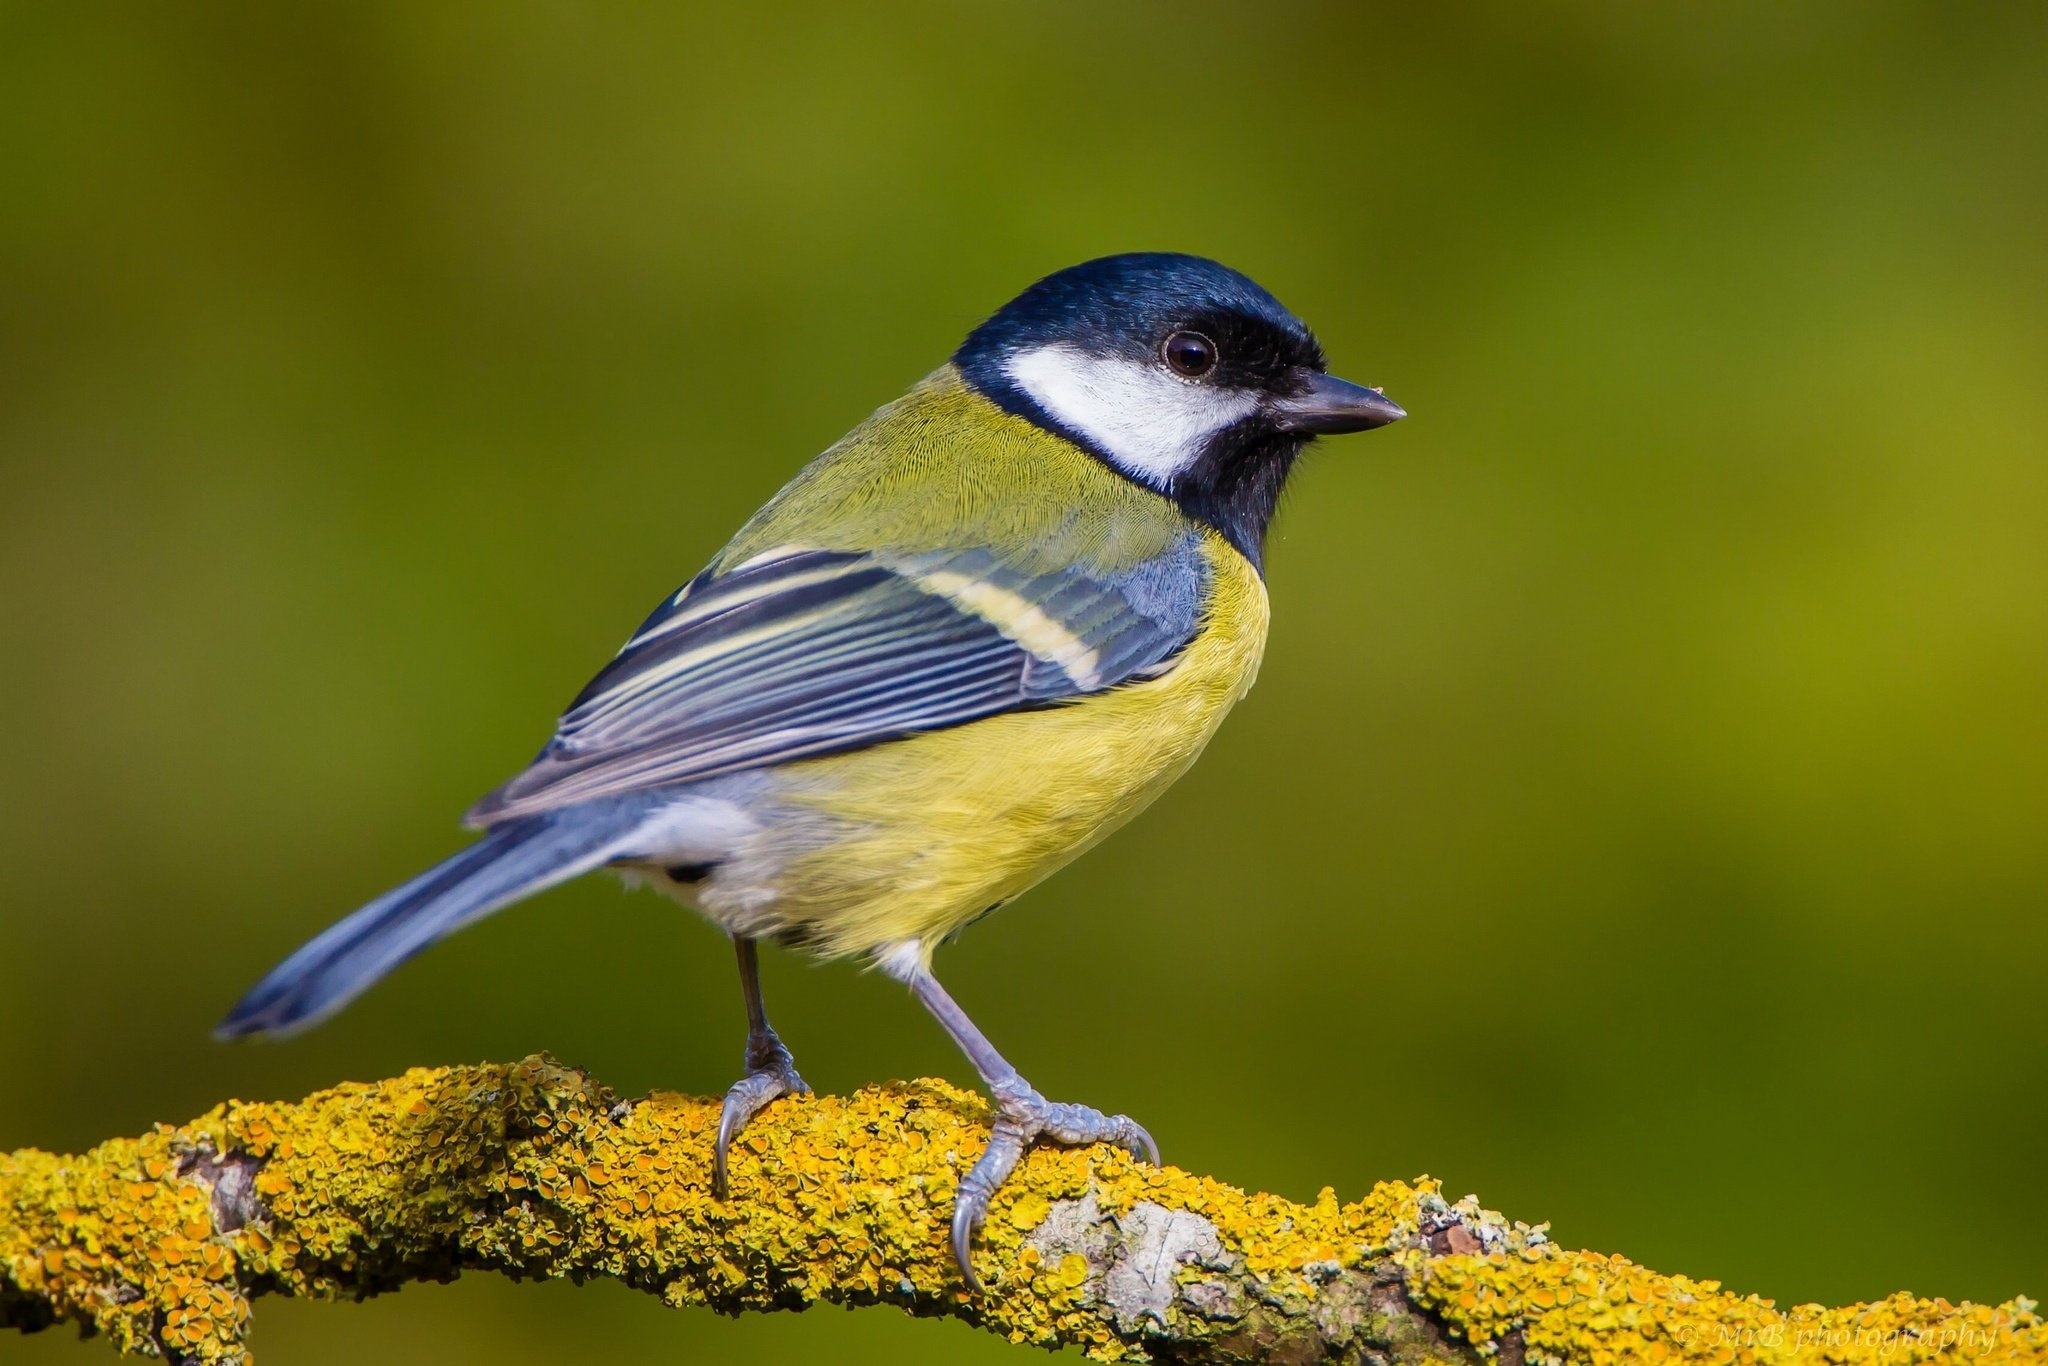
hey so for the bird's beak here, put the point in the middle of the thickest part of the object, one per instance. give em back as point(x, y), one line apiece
point(1325, 405)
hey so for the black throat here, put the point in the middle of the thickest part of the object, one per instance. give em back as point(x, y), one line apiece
point(1235, 485)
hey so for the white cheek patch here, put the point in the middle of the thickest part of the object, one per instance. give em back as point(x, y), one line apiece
point(1150, 423)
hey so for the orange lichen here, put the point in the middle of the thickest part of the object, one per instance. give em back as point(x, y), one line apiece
point(534, 1170)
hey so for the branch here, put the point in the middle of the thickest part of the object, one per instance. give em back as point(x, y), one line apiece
point(533, 1169)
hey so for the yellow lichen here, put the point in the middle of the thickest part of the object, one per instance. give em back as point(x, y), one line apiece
point(533, 1169)
point(1584, 1306)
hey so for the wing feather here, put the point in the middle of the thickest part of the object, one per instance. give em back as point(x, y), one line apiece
point(800, 653)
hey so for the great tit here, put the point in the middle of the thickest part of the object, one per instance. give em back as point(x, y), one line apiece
point(982, 631)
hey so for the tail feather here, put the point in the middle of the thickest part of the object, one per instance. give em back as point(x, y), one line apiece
point(514, 860)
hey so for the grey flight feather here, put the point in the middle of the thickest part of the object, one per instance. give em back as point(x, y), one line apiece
point(514, 860)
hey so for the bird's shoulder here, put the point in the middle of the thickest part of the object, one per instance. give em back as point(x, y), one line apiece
point(953, 498)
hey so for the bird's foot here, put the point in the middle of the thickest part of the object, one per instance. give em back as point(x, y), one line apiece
point(1022, 1118)
point(771, 1072)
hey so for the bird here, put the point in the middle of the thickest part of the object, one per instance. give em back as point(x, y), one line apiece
point(959, 648)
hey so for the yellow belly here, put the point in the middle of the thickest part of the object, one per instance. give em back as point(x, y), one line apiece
point(937, 829)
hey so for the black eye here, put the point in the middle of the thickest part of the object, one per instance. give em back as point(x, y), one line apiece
point(1190, 354)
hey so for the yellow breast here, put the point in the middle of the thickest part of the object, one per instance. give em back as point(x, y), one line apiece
point(932, 831)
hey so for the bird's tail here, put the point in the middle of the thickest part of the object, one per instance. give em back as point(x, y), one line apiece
point(514, 860)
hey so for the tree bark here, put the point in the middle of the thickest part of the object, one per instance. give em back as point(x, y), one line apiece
point(533, 1169)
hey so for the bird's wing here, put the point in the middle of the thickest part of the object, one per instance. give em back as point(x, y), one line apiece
point(802, 652)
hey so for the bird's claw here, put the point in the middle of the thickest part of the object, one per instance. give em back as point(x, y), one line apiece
point(1022, 1118)
point(771, 1072)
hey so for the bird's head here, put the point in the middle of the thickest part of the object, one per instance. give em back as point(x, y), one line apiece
point(1179, 373)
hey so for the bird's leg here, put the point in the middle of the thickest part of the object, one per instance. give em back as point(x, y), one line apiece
point(1023, 1116)
point(771, 1072)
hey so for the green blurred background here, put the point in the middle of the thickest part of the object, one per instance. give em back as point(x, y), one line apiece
point(1639, 820)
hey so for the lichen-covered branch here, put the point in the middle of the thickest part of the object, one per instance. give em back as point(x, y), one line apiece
point(533, 1169)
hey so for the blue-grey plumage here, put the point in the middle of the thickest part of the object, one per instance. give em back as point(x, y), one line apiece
point(962, 646)
point(805, 652)
point(514, 860)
